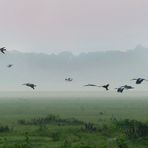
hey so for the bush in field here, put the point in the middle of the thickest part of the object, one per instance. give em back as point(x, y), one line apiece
point(133, 128)
point(23, 122)
point(101, 113)
point(4, 129)
point(121, 143)
point(51, 119)
point(89, 127)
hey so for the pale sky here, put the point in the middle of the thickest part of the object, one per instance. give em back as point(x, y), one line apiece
point(73, 25)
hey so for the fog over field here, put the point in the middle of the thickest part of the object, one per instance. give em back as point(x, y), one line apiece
point(48, 71)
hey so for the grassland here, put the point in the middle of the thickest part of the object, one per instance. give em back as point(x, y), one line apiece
point(73, 112)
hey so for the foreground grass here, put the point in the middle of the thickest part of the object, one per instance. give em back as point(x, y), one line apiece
point(99, 112)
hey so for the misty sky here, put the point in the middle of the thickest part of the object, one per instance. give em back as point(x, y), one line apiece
point(73, 25)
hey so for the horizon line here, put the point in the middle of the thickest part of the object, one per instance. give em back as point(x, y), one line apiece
point(78, 53)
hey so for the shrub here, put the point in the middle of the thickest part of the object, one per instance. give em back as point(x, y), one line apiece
point(4, 129)
point(121, 143)
point(132, 128)
point(89, 127)
point(51, 119)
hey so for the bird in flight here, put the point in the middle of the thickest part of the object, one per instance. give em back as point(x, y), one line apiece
point(68, 79)
point(3, 49)
point(30, 85)
point(10, 65)
point(120, 89)
point(105, 86)
point(93, 85)
point(127, 87)
point(140, 80)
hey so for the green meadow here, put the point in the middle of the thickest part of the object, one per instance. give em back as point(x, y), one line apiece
point(73, 120)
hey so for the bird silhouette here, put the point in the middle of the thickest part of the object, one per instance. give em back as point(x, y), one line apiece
point(3, 49)
point(93, 85)
point(127, 87)
point(120, 89)
point(105, 86)
point(30, 85)
point(140, 80)
point(10, 65)
point(68, 79)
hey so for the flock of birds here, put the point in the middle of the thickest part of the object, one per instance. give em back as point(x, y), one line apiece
point(3, 50)
point(119, 89)
point(106, 87)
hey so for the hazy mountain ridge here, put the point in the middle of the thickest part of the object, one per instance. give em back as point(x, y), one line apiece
point(49, 70)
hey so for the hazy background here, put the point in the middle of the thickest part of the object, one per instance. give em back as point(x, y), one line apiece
point(73, 25)
point(92, 41)
point(48, 71)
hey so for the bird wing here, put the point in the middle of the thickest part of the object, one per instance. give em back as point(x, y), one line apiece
point(2, 51)
point(133, 79)
point(32, 87)
point(91, 85)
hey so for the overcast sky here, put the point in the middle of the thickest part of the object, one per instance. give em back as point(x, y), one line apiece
point(73, 25)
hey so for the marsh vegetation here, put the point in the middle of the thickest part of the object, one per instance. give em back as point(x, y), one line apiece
point(73, 123)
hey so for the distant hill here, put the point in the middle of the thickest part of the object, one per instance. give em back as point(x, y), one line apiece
point(49, 71)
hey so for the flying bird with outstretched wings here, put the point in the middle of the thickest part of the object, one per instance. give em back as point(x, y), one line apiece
point(30, 85)
point(2, 50)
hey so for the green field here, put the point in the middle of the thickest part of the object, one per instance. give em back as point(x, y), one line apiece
point(96, 109)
